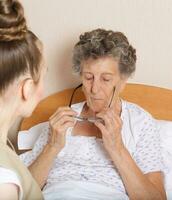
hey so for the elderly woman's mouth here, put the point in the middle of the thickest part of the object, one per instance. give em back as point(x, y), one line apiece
point(96, 99)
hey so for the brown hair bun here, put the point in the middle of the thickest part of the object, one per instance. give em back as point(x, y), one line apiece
point(12, 21)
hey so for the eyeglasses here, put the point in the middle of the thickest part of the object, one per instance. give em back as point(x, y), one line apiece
point(88, 119)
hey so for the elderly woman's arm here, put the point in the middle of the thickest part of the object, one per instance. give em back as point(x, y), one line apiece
point(60, 121)
point(139, 186)
point(41, 166)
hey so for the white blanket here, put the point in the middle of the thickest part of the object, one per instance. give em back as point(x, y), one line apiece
point(27, 139)
point(77, 190)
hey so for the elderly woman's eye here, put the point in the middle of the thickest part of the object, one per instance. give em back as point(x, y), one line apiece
point(88, 78)
point(106, 80)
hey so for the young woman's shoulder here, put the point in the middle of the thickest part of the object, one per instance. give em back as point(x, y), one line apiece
point(9, 181)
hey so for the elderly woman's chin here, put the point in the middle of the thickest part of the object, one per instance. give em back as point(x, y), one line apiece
point(97, 106)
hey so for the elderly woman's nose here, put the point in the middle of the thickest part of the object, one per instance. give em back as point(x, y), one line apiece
point(95, 87)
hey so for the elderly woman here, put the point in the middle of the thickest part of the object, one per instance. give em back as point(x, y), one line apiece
point(105, 147)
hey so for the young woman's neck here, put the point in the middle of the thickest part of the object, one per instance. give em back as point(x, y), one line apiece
point(7, 118)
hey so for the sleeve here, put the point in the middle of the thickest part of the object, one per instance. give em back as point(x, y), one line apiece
point(10, 177)
point(148, 148)
point(29, 157)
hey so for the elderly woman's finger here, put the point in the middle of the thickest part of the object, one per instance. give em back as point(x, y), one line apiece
point(61, 121)
point(63, 113)
point(101, 127)
point(60, 110)
point(107, 120)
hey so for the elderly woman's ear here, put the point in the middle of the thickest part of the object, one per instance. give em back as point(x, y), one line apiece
point(121, 84)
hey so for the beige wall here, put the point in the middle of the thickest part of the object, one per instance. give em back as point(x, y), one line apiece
point(145, 22)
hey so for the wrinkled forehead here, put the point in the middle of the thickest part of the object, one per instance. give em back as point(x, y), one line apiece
point(105, 65)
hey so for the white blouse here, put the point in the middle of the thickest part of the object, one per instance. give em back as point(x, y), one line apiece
point(85, 158)
point(10, 177)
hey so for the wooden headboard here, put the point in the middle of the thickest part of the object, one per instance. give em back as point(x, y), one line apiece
point(157, 101)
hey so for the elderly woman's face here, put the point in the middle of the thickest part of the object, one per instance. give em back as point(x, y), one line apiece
point(99, 77)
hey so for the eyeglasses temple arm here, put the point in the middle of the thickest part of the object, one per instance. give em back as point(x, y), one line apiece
point(73, 94)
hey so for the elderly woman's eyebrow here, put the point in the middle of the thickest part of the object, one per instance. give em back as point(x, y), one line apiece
point(108, 73)
point(87, 72)
point(105, 73)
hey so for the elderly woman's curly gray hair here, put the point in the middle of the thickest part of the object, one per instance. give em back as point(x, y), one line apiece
point(102, 43)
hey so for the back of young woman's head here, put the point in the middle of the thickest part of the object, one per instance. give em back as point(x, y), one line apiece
point(20, 49)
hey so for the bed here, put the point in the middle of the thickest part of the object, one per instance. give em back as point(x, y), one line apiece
point(156, 100)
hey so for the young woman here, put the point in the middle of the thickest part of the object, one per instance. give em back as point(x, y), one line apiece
point(21, 86)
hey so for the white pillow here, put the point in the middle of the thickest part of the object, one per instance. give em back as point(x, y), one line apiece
point(166, 144)
point(27, 139)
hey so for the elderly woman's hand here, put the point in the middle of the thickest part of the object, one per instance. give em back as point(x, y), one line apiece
point(111, 131)
point(59, 122)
